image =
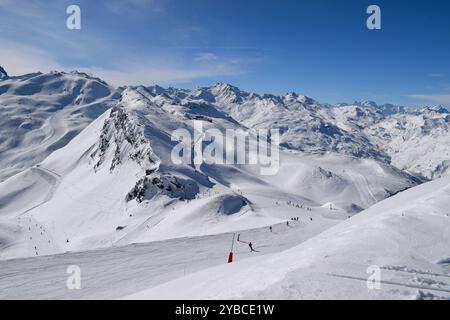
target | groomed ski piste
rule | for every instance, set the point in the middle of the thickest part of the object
(87, 180)
(406, 236)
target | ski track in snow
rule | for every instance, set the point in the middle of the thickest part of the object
(52, 178)
(39, 240)
(362, 185)
(118, 271)
(394, 283)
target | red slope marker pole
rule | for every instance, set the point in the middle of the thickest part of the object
(230, 256)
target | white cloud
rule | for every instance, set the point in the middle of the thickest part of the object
(34, 39)
(120, 6)
(434, 98)
(436, 75)
(18, 59)
(162, 75)
(206, 56)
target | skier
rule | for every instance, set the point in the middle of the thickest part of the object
(270, 228)
(251, 247)
(287, 223)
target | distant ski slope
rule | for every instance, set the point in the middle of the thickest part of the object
(97, 170)
(40, 113)
(406, 236)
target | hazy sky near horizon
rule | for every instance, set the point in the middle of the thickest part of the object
(321, 48)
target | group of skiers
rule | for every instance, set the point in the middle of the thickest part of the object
(271, 230)
(296, 205)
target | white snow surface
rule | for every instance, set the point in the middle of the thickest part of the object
(115, 184)
(40, 113)
(406, 236)
(86, 178)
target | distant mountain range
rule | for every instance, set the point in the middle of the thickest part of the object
(93, 163)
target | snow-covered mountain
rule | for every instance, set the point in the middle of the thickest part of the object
(304, 124)
(405, 239)
(40, 113)
(116, 184)
(416, 142)
(87, 166)
(72, 143)
(386, 109)
(412, 139)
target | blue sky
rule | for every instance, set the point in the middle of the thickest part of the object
(320, 48)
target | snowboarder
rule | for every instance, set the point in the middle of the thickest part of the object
(270, 228)
(287, 223)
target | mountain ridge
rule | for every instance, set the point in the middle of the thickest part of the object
(362, 129)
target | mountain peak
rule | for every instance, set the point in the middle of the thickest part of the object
(3, 74)
(293, 96)
(228, 92)
(436, 109)
(369, 104)
(221, 86)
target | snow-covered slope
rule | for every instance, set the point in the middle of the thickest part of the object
(40, 113)
(70, 143)
(85, 166)
(407, 237)
(416, 142)
(304, 124)
(413, 139)
(115, 183)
